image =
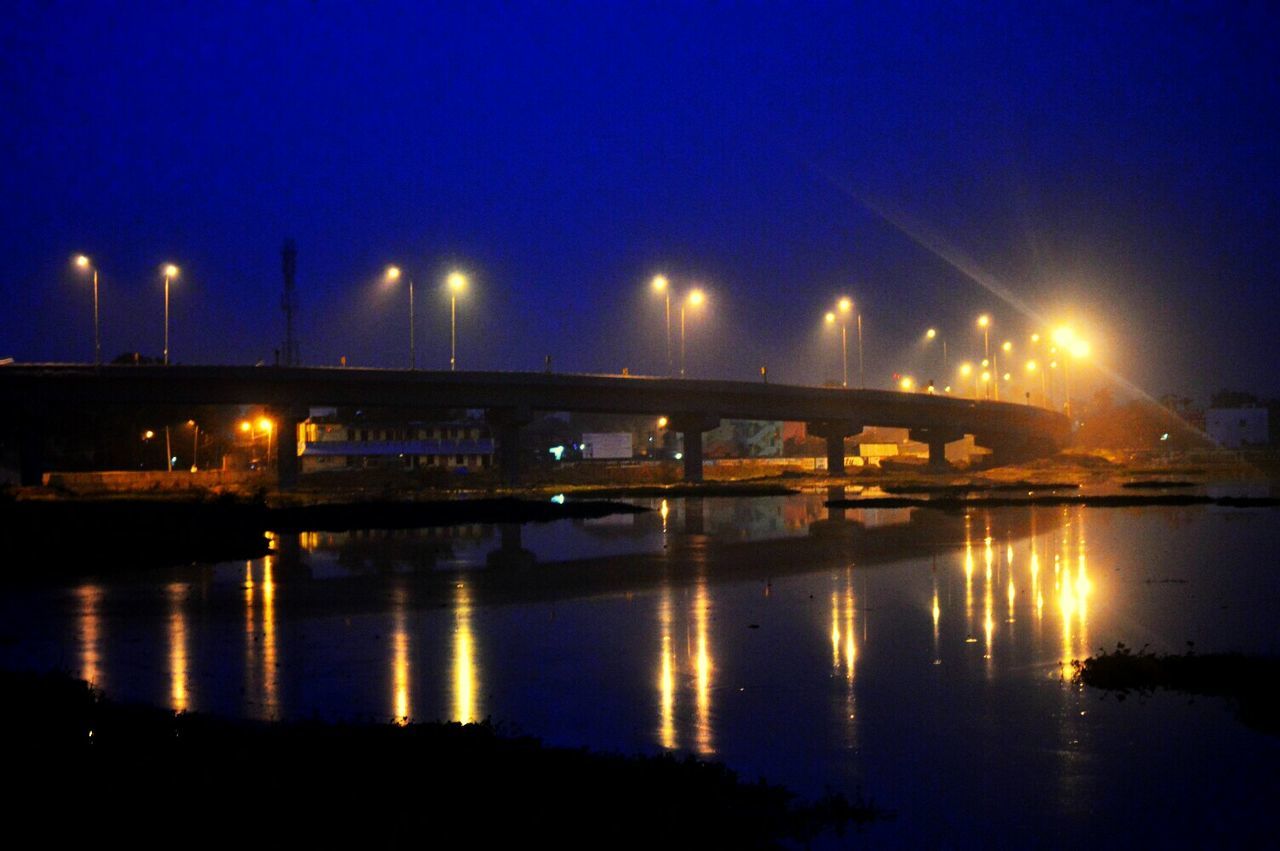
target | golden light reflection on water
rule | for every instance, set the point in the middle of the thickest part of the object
(702, 667)
(465, 676)
(90, 617)
(179, 675)
(400, 668)
(666, 675)
(937, 619)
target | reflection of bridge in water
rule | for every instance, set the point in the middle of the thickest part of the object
(38, 395)
(695, 546)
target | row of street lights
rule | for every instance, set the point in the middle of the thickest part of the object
(455, 283)
(84, 264)
(693, 298)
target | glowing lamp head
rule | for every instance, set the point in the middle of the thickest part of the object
(830, 318)
(1079, 349)
(931, 333)
(393, 273)
(170, 270)
(845, 305)
(1031, 366)
(966, 369)
(984, 320)
(245, 425)
(1008, 347)
(662, 422)
(906, 383)
(659, 283)
(264, 424)
(1035, 338)
(1064, 336)
(696, 298)
(148, 434)
(456, 281)
(986, 376)
(82, 262)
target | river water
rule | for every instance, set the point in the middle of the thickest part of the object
(916, 657)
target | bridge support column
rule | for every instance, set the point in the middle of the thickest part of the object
(937, 440)
(834, 433)
(691, 427)
(506, 423)
(287, 464)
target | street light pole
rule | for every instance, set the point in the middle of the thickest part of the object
(662, 285)
(456, 283)
(86, 264)
(862, 377)
(170, 271)
(413, 351)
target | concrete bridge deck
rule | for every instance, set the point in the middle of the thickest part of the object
(34, 393)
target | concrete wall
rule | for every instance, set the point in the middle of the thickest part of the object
(124, 481)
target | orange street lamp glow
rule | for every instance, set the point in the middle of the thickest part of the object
(845, 304)
(170, 272)
(660, 283)
(662, 422)
(1008, 346)
(931, 333)
(83, 264)
(245, 425)
(906, 383)
(984, 320)
(965, 369)
(830, 318)
(264, 424)
(695, 298)
(393, 273)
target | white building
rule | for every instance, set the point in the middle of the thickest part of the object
(1237, 427)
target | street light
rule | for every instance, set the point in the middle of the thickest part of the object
(266, 425)
(457, 282)
(85, 265)
(661, 285)
(844, 307)
(930, 336)
(393, 274)
(170, 272)
(694, 299)
(195, 444)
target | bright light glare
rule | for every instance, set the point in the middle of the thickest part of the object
(170, 271)
(830, 317)
(245, 425)
(457, 281)
(984, 320)
(393, 273)
(696, 298)
(1079, 349)
(931, 333)
(148, 434)
(662, 422)
(659, 282)
(264, 424)
(1031, 366)
(1008, 347)
(1064, 336)
(906, 383)
(82, 261)
(845, 304)
(965, 369)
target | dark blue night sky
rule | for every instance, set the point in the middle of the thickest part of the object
(1115, 167)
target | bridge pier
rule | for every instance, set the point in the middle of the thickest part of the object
(834, 433)
(287, 465)
(937, 440)
(506, 423)
(691, 427)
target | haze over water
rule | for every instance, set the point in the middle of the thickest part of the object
(919, 657)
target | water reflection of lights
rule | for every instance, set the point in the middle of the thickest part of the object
(702, 662)
(90, 600)
(464, 664)
(937, 618)
(665, 510)
(179, 682)
(666, 676)
(400, 668)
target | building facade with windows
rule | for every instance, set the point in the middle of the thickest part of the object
(332, 442)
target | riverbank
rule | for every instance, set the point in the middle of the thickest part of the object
(470, 778)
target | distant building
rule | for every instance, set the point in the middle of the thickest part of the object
(744, 439)
(1237, 427)
(609, 444)
(331, 442)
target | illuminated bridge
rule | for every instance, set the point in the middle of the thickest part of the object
(36, 394)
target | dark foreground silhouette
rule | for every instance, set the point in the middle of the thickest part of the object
(469, 781)
(1249, 681)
